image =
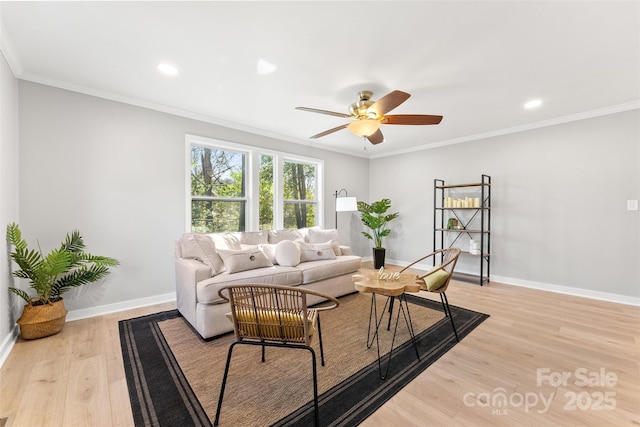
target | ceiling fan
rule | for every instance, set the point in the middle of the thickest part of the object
(368, 115)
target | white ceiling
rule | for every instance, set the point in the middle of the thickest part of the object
(476, 63)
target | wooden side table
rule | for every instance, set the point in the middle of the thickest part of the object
(367, 281)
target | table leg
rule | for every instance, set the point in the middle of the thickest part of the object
(373, 314)
(390, 312)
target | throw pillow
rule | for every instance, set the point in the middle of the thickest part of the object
(202, 248)
(287, 253)
(315, 252)
(270, 321)
(236, 261)
(436, 280)
(270, 251)
(323, 236)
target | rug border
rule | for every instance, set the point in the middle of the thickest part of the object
(144, 413)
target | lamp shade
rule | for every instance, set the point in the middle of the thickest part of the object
(364, 127)
(346, 204)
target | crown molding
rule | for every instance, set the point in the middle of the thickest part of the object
(9, 52)
(633, 105)
(244, 128)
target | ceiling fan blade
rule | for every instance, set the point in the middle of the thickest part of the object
(376, 137)
(330, 113)
(327, 132)
(411, 119)
(389, 102)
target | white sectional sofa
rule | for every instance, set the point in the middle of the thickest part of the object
(310, 258)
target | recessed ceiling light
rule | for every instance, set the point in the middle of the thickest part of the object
(168, 69)
(265, 67)
(533, 104)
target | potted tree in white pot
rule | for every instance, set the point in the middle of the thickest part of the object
(50, 276)
(375, 217)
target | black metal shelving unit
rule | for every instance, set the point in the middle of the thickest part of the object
(473, 217)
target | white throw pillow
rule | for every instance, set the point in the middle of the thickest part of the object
(203, 248)
(324, 236)
(315, 252)
(287, 253)
(244, 259)
(270, 251)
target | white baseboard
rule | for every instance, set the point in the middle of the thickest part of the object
(8, 343)
(560, 289)
(11, 338)
(120, 306)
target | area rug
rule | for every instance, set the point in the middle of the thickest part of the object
(174, 376)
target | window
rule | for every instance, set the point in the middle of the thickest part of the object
(227, 193)
(299, 195)
(218, 196)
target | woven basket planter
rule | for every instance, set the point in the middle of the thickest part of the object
(39, 321)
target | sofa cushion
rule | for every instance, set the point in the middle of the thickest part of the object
(202, 248)
(276, 236)
(207, 290)
(254, 237)
(226, 240)
(305, 232)
(314, 271)
(287, 253)
(251, 258)
(324, 236)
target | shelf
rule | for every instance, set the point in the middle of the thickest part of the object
(447, 230)
(474, 214)
(469, 209)
(475, 184)
(470, 254)
(473, 278)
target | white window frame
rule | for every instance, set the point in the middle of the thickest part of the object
(252, 176)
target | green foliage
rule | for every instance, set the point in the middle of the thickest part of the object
(375, 217)
(63, 268)
(266, 192)
(219, 198)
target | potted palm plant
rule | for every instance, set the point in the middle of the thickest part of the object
(375, 217)
(49, 277)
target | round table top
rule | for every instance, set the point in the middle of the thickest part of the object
(368, 281)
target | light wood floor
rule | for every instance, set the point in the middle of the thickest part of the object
(76, 378)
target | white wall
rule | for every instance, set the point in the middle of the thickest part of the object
(9, 309)
(559, 202)
(116, 172)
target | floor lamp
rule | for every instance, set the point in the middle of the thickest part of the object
(344, 204)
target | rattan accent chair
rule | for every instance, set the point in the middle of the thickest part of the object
(437, 279)
(274, 316)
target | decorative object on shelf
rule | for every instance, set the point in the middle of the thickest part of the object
(469, 217)
(474, 247)
(51, 276)
(375, 217)
(344, 204)
(383, 275)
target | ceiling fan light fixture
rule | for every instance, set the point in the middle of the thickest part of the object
(364, 127)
